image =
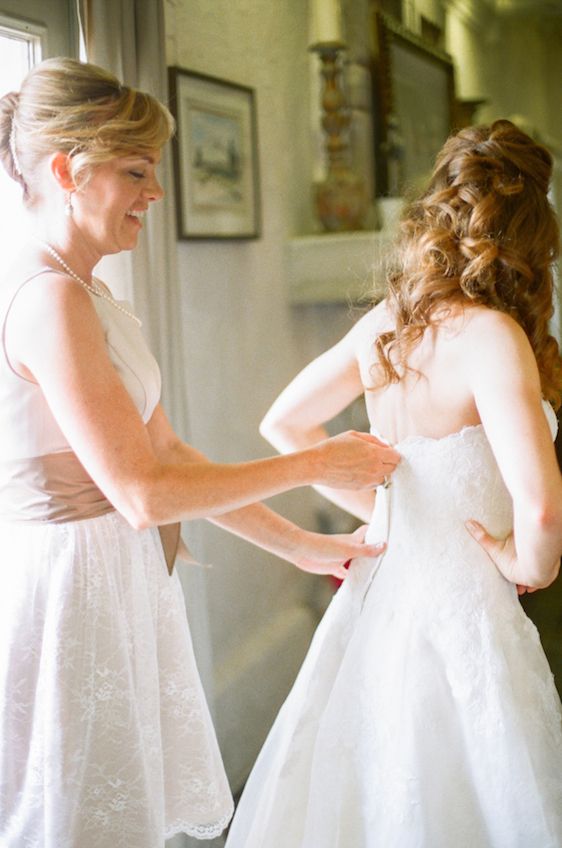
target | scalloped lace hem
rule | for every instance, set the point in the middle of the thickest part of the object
(199, 831)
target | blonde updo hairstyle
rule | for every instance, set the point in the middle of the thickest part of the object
(79, 109)
(485, 233)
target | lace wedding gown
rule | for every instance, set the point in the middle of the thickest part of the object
(105, 736)
(425, 714)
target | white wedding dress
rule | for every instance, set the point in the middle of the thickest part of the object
(425, 714)
(105, 736)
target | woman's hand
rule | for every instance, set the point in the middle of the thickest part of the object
(354, 460)
(522, 589)
(321, 554)
(503, 554)
(501, 551)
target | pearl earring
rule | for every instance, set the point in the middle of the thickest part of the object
(68, 208)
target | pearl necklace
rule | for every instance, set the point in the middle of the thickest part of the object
(93, 289)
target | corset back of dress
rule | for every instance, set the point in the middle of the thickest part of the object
(439, 485)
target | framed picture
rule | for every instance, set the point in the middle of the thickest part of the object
(414, 106)
(215, 157)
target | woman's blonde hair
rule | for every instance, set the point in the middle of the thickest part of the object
(79, 109)
(484, 232)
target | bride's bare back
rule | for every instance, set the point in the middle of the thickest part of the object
(433, 398)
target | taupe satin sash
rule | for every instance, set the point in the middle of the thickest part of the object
(57, 488)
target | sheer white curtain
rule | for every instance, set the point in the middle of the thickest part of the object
(127, 37)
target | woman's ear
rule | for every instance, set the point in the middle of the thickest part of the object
(60, 169)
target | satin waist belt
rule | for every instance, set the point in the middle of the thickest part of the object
(57, 488)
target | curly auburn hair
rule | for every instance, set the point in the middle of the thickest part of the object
(483, 233)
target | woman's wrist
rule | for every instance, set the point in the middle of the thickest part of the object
(303, 465)
(295, 544)
(289, 543)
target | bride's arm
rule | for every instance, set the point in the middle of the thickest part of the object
(504, 379)
(318, 393)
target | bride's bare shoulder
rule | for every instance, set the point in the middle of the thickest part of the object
(363, 336)
(491, 341)
(491, 326)
(377, 320)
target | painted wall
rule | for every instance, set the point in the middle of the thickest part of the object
(243, 344)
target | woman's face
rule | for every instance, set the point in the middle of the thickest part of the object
(110, 207)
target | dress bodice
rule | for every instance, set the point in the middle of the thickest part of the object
(27, 425)
(439, 485)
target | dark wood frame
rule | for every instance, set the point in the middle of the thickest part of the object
(388, 31)
(215, 222)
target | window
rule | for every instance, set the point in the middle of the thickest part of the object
(21, 47)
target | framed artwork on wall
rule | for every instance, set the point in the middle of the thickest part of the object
(215, 157)
(414, 106)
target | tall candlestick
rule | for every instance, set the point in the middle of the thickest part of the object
(326, 22)
(341, 200)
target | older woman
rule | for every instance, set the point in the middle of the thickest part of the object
(105, 737)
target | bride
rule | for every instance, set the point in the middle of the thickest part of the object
(425, 714)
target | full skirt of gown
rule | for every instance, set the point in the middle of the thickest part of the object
(425, 714)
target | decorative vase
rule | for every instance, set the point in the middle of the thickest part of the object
(341, 201)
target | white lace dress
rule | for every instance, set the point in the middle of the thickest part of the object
(425, 714)
(105, 736)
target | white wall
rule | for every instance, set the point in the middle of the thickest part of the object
(512, 60)
(243, 343)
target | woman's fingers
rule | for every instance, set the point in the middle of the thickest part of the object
(522, 589)
(340, 572)
(359, 534)
(355, 461)
(334, 554)
(355, 547)
(501, 551)
(387, 454)
(373, 550)
(483, 537)
(493, 547)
